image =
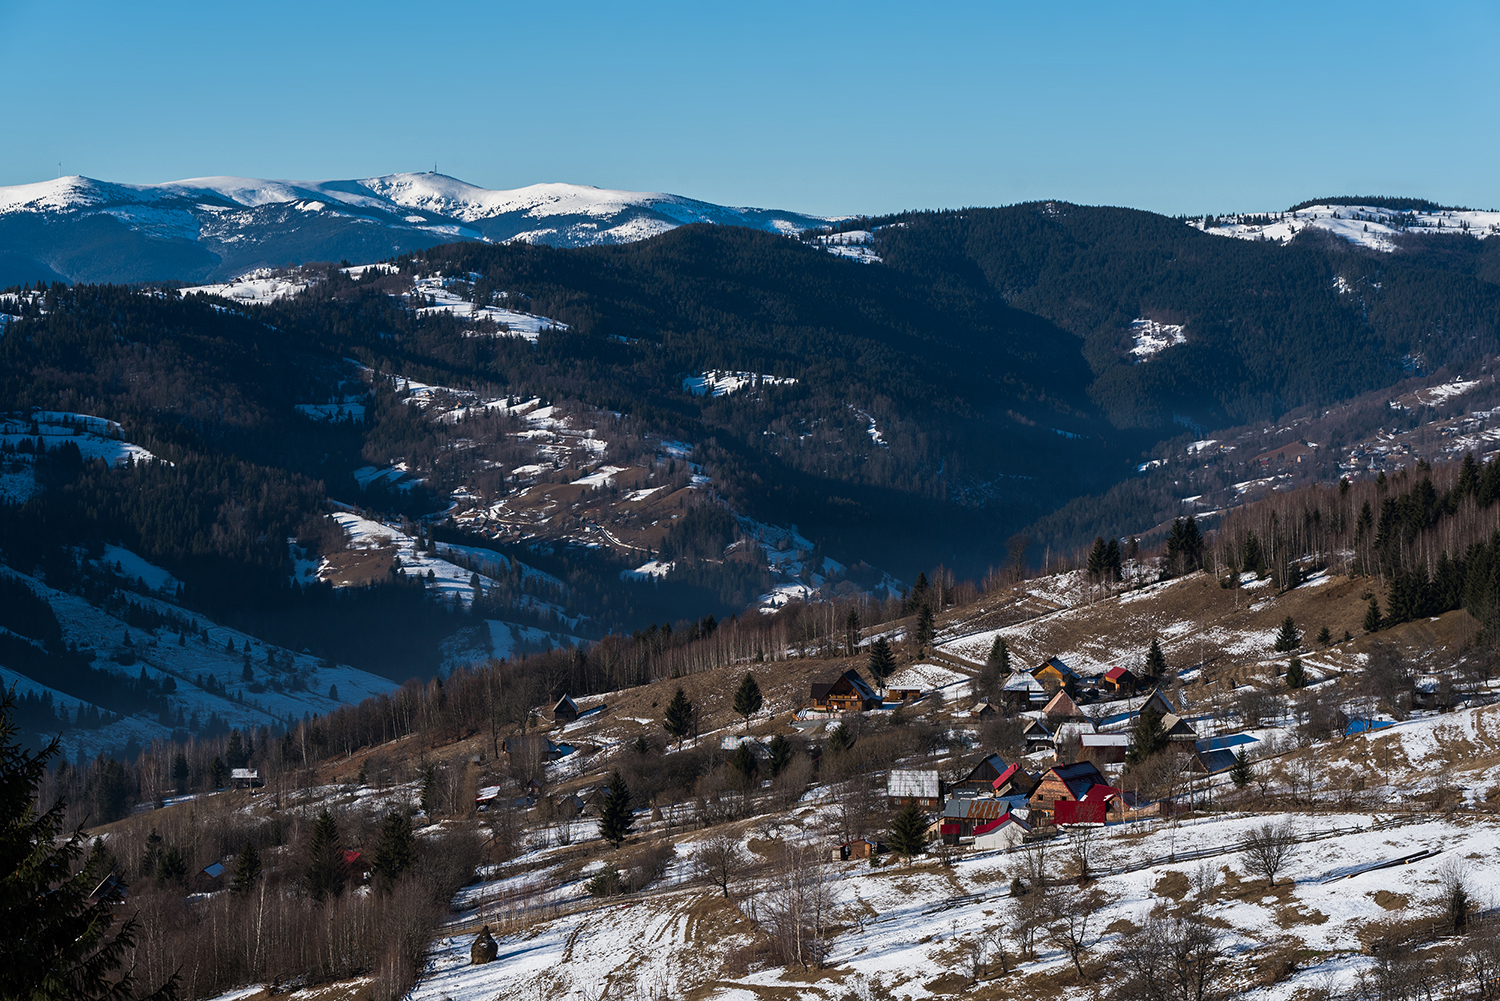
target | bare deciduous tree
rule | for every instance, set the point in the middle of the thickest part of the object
(719, 861)
(1269, 848)
(1168, 959)
(1069, 914)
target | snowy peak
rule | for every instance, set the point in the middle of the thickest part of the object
(221, 227)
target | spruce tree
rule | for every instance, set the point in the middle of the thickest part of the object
(926, 628)
(616, 819)
(1156, 661)
(180, 770)
(1372, 616)
(59, 943)
(1098, 559)
(882, 661)
(781, 754)
(326, 870)
(1114, 566)
(1324, 637)
(396, 850)
(999, 658)
(1241, 773)
(216, 772)
(246, 870)
(1288, 639)
(1296, 676)
(1146, 736)
(678, 721)
(747, 700)
(908, 834)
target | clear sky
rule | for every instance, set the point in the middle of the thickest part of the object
(819, 107)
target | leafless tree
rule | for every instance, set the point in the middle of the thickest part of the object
(1269, 848)
(1082, 843)
(1168, 959)
(719, 861)
(1069, 915)
(796, 904)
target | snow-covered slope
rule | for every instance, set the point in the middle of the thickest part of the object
(1365, 225)
(220, 227)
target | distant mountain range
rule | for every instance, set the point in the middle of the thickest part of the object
(78, 229)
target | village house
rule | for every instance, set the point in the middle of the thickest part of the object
(982, 776)
(1120, 714)
(1061, 708)
(1104, 748)
(1064, 784)
(1007, 832)
(961, 816)
(984, 711)
(914, 785)
(1052, 674)
(849, 693)
(1038, 737)
(1178, 730)
(1014, 781)
(1099, 805)
(1119, 681)
(1021, 692)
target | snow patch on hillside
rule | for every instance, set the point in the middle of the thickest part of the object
(1151, 337)
(254, 288)
(1363, 225)
(717, 383)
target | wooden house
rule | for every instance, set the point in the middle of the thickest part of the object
(532, 745)
(1039, 737)
(1120, 681)
(1014, 781)
(903, 694)
(564, 711)
(1098, 806)
(1120, 714)
(961, 816)
(848, 693)
(1212, 761)
(914, 785)
(1104, 748)
(984, 711)
(1062, 707)
(1021, 692)
(1007, 832)
(1064, 784)
(1179, 730)
(982, 776)
(1053, 674)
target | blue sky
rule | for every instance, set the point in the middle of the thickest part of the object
(819, 107)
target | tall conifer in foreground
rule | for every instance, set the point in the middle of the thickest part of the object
(616, 819)
(747, 699)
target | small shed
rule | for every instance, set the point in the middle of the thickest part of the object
(914, 785)
(245, 778)
(855, 849)
(1038, 737)
(984, 710)
(564, 711)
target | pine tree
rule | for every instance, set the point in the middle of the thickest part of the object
(396, 851)
(781, 754)
(1114, 566)
(1241, 773)
(908, 834)
(1288, 639)
(1098, 559)
(1296, 676)
(1156, 661)
(925, 626)
(882, 661)
(678, 721)
(747, 700)
(58, 941)
(1372, 616)
(326, 871)
(234, 755)
(616, 819)
(246, 870)
(1324, 637)
(216, 772)
(180, 769)
(999, 659)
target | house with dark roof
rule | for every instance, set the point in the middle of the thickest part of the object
(847, 693)
(565, 710)
(1022, 691)
(1038, 736)
(1120, 681)
(982, 776)
(1064, 784)
(1120, 714)
(1054, 674)
(914, 785)
(961, 816)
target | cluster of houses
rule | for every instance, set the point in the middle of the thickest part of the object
(1075, 730)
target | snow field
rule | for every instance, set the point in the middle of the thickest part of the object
(1151, 338)
(717, 383)
(1363, 225)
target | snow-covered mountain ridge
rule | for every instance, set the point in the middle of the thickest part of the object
(1371, 226)
(84, 229)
